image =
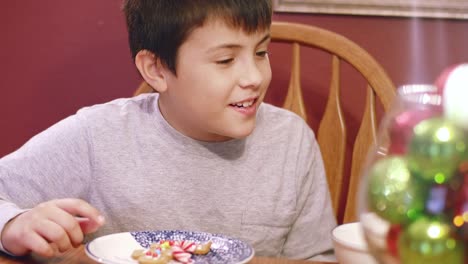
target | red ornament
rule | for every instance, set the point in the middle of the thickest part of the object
(460, 218)
(392, 240)
(442, 79)
(457, 203)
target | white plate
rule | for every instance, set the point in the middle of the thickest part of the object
(118, 248)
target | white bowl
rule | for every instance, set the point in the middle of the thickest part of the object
(350, 245)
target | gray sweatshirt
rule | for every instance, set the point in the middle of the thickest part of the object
(268, 189)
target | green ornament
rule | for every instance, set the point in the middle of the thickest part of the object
(393, 193)
(436, 149)
(429, 241)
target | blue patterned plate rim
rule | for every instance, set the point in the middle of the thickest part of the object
(224, 249)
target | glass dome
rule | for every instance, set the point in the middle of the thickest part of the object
(413, 198)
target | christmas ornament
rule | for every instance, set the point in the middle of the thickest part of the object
(453, 85)
(429, 241)
(392, 239)
(436, 149)
(437, 199)
(460, 208)
(393, 193)
(442, 78)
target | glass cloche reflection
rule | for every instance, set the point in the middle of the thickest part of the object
(414, 193)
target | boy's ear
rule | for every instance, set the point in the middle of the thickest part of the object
(152, 70)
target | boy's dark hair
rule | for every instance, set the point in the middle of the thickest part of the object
(161, 26)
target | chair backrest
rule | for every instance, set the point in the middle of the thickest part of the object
(332, 130)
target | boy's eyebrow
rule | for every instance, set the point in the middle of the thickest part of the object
(233, 46)
(265, 38)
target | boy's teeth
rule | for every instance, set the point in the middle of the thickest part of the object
(245, 104)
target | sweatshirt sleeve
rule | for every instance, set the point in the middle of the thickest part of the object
(54, 164)
(7, 211)
(310, 235)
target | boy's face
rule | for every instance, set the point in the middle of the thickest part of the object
(222, 77)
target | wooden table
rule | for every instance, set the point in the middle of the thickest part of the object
(79, 256)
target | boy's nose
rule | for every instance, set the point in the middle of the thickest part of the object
(251, 76)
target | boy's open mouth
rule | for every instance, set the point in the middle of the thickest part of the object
(244, 104)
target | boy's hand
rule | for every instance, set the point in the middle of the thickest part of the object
(50, 225)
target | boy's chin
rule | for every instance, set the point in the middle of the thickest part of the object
(241, 132)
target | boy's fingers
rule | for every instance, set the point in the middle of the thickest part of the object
(55, 248)
(54, 233)
(68, 223)
(53, 222)
(87, 226)
(38, 245)
(81, 208)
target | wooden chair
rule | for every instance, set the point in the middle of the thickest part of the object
(332, 130)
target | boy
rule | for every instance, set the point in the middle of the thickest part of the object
(203, 153)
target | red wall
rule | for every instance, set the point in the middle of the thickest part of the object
(57, 56)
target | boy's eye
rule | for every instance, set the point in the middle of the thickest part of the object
(226, 61)
(262, 53)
